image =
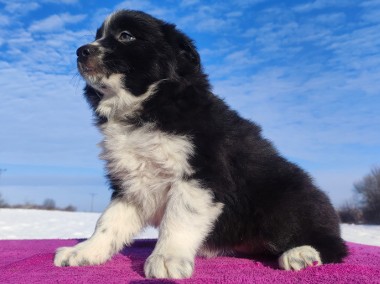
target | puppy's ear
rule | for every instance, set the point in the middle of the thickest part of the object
(183, 45)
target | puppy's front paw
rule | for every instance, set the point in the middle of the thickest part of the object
(79, 255)
(299, 258)
(162, 266)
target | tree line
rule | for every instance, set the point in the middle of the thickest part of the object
(365, 208)
(47, 204)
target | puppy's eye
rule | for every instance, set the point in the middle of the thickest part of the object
(126, 36)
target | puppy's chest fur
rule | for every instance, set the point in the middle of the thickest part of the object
(146, 163)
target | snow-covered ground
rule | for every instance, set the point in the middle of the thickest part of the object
(40, 224)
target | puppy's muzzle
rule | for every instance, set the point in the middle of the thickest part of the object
(89, 62)
(86, 51)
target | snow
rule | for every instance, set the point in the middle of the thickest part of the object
(40, 224)
(363, 234)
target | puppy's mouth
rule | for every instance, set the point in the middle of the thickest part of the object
(92, 71)
(89, 69)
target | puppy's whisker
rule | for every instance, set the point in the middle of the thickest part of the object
(99, 96)
(75, 80)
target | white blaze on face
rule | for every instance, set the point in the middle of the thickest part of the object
(105, 84)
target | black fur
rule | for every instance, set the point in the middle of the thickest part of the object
(268, 201)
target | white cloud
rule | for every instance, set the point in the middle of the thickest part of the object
(19, 37)
(235, 62)
(370, 3)
(61, 1)
(321, 4)
(48, 52)
(45, 120)
(22, 7)
(330, 19)
(189, 2)
(56, 22)
(247, 3)
(208, 19)
(314, 103)
(308, 120)
(146, 6)
(372, 16)
(4, 20)
(190, 14)
(357, 51)
(135, 5)
(212, 24)
(234, 14)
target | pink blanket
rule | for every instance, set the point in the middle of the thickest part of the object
(31, 261)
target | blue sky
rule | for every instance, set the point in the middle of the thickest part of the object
(306, 70)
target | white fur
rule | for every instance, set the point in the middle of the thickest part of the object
(117, 102)
(150, 167)
(189, 216)
(107, 22)
(299, 258)
(119, 223)
(147, 162)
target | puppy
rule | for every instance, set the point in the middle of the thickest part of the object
(180, 159)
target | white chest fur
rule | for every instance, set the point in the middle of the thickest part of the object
(146, 162)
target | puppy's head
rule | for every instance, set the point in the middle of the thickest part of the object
(131, 52)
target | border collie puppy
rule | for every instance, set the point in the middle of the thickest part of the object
(180, 159)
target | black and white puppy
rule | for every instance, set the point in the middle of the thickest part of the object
(180, 159)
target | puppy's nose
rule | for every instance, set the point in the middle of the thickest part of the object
(86, 51)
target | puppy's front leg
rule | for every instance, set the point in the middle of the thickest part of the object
(189, 216)
(116, 227)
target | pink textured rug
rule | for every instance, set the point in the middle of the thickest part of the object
(31, 261)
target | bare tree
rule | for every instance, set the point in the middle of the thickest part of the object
(369, 191)
(70, 208)
(3, 203)
(49, 204)
(350, 213)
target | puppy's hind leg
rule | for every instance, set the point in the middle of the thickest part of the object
(299, 257)
(322, 249)
(116, 227)
(189, 216)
